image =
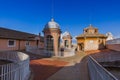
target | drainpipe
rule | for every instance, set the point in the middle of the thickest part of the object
(19, 45)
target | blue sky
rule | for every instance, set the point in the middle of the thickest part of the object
(72, 15)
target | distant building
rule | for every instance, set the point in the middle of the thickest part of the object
(91, 39)
(109, 36)
(17, 40)
(66, 40)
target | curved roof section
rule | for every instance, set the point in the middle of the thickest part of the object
(66, 33)
(52, 24)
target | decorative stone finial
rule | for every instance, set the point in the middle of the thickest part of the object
(90, 25)
(52, 20)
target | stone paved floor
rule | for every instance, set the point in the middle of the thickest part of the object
(76, 71)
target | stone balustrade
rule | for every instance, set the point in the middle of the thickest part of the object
(18, 69)
(113, 44)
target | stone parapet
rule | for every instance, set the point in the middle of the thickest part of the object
(115, 47)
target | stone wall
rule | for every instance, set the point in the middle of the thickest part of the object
(115, 47)
(91, 44)
(113, 44)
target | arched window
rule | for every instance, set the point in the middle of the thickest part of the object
(49, 43)
(58, 42)
(66, 43)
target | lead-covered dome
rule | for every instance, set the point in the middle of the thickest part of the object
(66, 34)
(52, 24)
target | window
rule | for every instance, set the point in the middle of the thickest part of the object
(95, 31)
(99, 41)
(66, 43)
(27, 43)
(85, 31)
(11, 43)
(49, 43)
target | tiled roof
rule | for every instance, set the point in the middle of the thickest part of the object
(13, 34)
(91, 35)
(91, 27)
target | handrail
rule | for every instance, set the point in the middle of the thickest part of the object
(18, 69)
(35, 50)
(97, 72)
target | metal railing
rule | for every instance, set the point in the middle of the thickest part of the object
(18, 69)
(97, 72)
(35, 50)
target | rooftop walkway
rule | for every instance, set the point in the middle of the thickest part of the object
(68, 68)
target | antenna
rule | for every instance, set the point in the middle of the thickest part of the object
(52, 9)
(90, 17)
(90, 20)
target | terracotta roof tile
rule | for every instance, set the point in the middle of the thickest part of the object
(91, 35)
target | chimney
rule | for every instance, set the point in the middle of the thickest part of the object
(39, 34)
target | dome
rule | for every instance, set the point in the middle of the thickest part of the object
(66, 33)
(52, 24)
(109, 34)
